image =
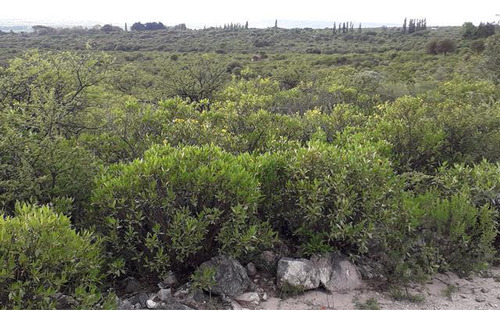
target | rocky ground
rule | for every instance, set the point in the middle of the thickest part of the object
(445, 291)
(327, 283)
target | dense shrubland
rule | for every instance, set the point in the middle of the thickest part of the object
(155, 162)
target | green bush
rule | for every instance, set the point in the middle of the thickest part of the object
(460, 233)
(41, 256)
(178, 207)
(325, 197)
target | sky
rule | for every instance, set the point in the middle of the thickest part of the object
(199, 13)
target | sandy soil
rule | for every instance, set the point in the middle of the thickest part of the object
(445, 291)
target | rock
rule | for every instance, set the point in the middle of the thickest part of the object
(485, 290)
(173, 305)
(337, 273)
(165, 295)
(480, 299)
(125, 305)
(231, 278)
(182, 291)
(169, 282)
(248, 298)
(151, 304)
(298, 273)
(140, 299)
(131, 285)
(463, 296)
(498, 297)
(251, 269)
(264, 297)
(235, 305)
(267, 261)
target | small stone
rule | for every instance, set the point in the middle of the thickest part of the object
(151, 304)
(485, 290)
(137, 306)
(498, 297)
(480, 299)
(264, 297)
(165, 295)
(251, 269)
(125, 305)
(235, 305)
(248, 298)
(169, 282)
(463, 296)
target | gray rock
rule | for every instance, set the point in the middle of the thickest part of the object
(298, 273)
(485, 290)
(131, 285)
(151, 304)
(165, 295)
(251, 269)
(480, 299)
(231, 278)
(125, 305)
(174, 305)
(248, 298)
(169, 282)
(337, 273)
(140, 299)
(234, 305)
(267, 261)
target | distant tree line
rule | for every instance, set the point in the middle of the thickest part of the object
(233, 26)
(344, 28)
(414, 25)
(481, 31)
(147, 26)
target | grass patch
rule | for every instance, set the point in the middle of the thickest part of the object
(287, 290)
(369, 304)
(400, 295)
(449, 290)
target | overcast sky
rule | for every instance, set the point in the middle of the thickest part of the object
(197, 13)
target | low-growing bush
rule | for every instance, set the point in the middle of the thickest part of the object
(324, 197)
(43, 259)
(178, 207)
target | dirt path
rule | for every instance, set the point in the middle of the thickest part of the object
(445, 291)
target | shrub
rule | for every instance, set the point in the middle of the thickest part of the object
(460, 233)
(324, 197)
(42, 257)
(178, 207)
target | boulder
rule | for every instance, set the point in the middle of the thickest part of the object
(337, 273)
(298, 273)
(231, 277)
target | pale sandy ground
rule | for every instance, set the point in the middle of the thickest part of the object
(445, 291)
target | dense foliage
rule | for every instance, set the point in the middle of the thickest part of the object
(177, 145)
(42, 258)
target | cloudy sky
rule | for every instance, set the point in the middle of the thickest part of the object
(197, 13)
